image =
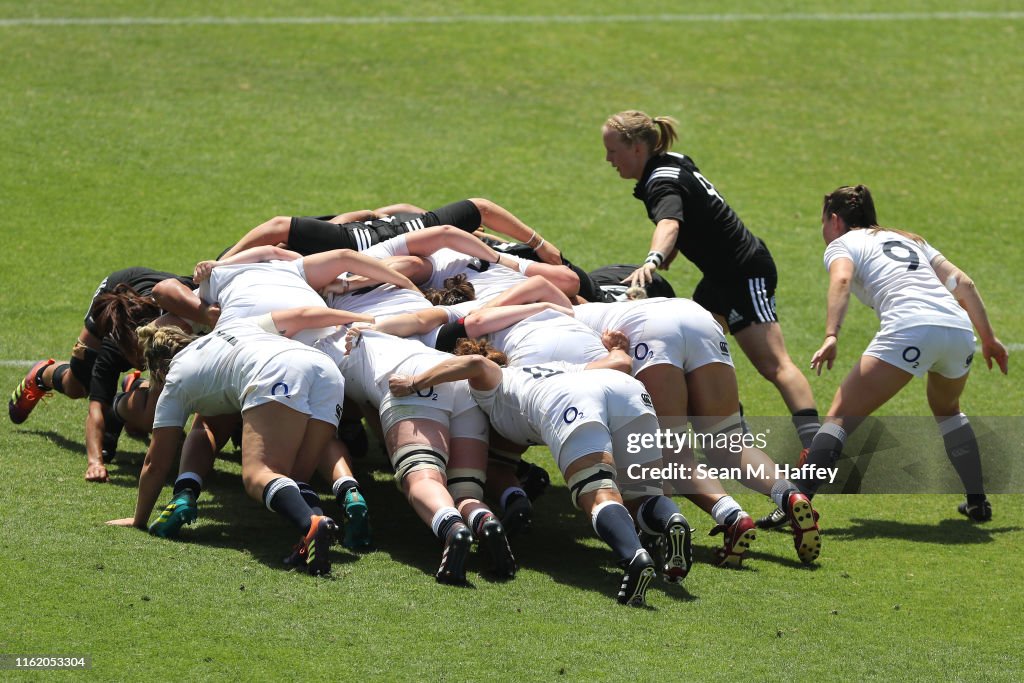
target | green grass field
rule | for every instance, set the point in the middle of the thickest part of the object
(158, 143)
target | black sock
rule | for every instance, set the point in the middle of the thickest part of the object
(731, 519)
(655, 512)
(615, 527)
(311, 497)
(826, 447)
(185, 481)
(342, 486)
(281, 495)
(807, 425)
(962, 451)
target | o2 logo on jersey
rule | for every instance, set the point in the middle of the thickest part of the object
(571, 414)
(279, 389)
(427, 393)
(642, 351)
(898, 251)
(912, 354)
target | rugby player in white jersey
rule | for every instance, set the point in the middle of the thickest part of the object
(680, 354)
(586, 422)
(436, 439)
(253, 283)
(926, 306)
(289, 396)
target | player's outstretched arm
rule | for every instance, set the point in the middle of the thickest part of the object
(966, 294)
(482, 374)
(840, 274)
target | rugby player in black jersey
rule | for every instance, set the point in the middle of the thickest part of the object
(105, 348)
(739, 276)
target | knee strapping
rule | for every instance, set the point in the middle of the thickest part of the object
(733, 424)
(415, 457)
(466, 482)
(593, 478)
(635, 490)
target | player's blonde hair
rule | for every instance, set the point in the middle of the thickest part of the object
(159, 345)
(658, 132)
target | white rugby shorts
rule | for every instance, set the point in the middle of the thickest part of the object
(926, 348)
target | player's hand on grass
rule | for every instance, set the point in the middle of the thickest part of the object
(826, 355)
(125, 521)
(96, 472)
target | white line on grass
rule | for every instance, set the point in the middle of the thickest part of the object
(513, 19)
(10, 363)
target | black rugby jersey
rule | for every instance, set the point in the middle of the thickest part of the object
(110, 363)
(711, 235)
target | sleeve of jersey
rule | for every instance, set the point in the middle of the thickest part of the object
(837, 249)
(105, 373)
(664, 200)
(930, 252)
(171, 410)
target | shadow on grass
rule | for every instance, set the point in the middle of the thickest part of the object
(945, 532)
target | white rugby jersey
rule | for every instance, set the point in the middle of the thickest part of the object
(893, 275)
(376, 358)
(212, 375)
(384, 300)
(489, 280)
(252, 289)
(545, 336)
(628, 316)
(526, 397)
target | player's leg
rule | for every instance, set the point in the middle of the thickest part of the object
(664, 532)
(714, 405)
(764, 345)
(419, 449)
(467, 476)
(207, 436)
(945, 386)
(591, 481)
(335, 466)
(870, 383)
(513, 482)
(272, 434)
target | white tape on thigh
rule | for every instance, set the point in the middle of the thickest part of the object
(593, 478)
(466, 482)
(414, 457)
